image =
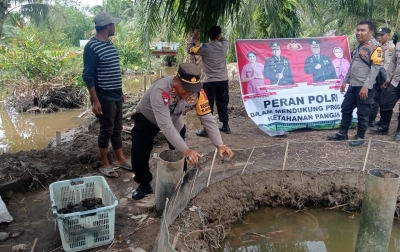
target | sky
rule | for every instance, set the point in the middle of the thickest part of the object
(91, 3)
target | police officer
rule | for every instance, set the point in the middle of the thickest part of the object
(320, 66)
(388, 49)
(277, 68)
(366, 61)
(390, 96)
(161, 108)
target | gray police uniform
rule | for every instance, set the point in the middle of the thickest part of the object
(274, 66)
(216, 73)
(326, 72)
(391, 94)
(388, 50)
(162, 109)
(366, 61)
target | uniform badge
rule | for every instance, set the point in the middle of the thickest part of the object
(191, 99)
(165, 96)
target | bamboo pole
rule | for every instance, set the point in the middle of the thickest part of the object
(286, 153)
(212, 165)
(248, 160)
(366, 155)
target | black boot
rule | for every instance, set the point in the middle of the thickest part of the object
(142, 191)
(397, 136)
(202, 133)
(225, 128)
(371, 124)
(383, 129)
(340, 136)
(357, 141)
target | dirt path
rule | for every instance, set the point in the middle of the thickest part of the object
(25, 177)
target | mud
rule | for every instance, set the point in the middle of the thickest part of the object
(25, 178)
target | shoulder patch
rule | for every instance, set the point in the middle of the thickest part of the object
(195, 49)
(166, 97)
(376, 57)
(203, 106)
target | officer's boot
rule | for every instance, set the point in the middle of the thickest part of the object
(380, 129)
(383, 126)
(339, 136)
(397, 136)
(358, 140)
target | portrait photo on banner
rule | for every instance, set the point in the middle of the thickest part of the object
(268, 65)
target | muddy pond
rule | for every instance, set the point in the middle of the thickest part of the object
(283, 229)
(23, 132)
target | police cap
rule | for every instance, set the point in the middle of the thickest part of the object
(384, 30)
(314, 43)
(274, 45)
(189, 75)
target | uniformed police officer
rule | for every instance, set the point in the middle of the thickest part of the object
(366, 61)
(390, 96)
(161, 108)
(320, 66)
(277, 68)
(388, 49)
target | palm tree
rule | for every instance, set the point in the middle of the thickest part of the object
(35, 10)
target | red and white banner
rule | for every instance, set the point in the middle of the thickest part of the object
(289, 84)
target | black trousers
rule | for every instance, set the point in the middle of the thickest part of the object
(351, 101)
(390, 96)
(143, 134)
(110, 124)
(375, 106)
(218, 91)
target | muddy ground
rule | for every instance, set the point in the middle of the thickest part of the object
(25, 178)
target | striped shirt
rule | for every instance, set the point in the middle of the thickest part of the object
(101, 69)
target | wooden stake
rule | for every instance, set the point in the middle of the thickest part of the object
(286, 153)
(366, 155)
(248, 159)
(58, 138)
(212, 165)
(144, 84)
(34, 244)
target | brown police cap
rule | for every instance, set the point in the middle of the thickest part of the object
(189, 74)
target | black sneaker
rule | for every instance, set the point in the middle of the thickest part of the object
(384, 130)
(141, 192)
(337, 137)
(357, 141)
(226, 129)
(202, 133)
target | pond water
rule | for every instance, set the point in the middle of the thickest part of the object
(284, 230)
(23, 132)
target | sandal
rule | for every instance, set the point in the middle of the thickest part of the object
(109, 172)
(127, 166)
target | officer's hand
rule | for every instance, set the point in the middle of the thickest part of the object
(123, 98)
(318, 66)
(385, 84)
(96, 108)
(363, 93)
(192, 157)
(223, 149)
(343, 88)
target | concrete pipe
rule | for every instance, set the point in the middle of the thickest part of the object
(377, 211)
(169, 172)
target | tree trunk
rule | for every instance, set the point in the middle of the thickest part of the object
(4, 5)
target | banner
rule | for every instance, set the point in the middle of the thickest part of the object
(290, 84)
